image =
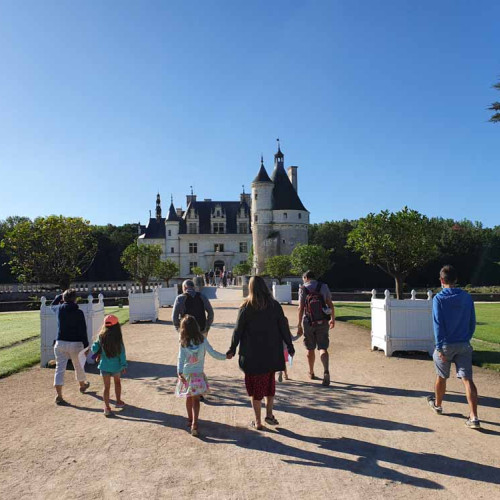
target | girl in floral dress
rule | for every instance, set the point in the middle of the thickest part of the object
(192, 381)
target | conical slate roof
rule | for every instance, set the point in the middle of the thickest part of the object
(262, 175)
(172, 214)
(284, 195)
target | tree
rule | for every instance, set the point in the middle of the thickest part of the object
(242, 269)
(495, 107)
(5, 226)
(166, 270)
(395, 242)
(279, 266)
(197, 270)
(52, 249)
(141, 262)
(310, 257)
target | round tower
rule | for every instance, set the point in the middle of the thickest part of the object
(262, 217)
(172, 242)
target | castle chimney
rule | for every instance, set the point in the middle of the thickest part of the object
(292, 175)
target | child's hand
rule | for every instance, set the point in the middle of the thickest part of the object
(182, 378)
(124, 371)
(229, 355)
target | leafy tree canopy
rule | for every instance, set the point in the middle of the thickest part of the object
(242, 269)
(395, 242)
(52, 249)
(311, 257)
(141, 262)
(495, 107)
(197, 270)
(279, 266)
(166, 270)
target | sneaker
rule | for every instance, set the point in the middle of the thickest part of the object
(120, 405)
(432, 403)
(107, 412)
(473, 424)
(60, 401)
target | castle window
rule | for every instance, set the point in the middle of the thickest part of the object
(193, 248)
(300, 215)
(193, 228)
(219, 247)
(171, 249)
(243, 261)
(169, 232)
(243, 228)
(256, 218)
(218, 227)
(218, 213)
(243, 247)
(256, 195)
(283, 242)
(285, 216)
(191, 265)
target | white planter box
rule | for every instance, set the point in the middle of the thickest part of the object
(167, 295)
(282, 293)
(402, 325)
(94, 317)
(143, 306)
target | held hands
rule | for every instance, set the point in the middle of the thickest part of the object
(229, 355)
(300, 331)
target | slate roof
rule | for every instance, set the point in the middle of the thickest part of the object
(262, 175)
(172, 214)
(155, 228)
(204, 210)
(284, 196)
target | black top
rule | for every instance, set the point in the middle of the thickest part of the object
(262, 175)
(284, 195)
(71, 326)
(260, 335)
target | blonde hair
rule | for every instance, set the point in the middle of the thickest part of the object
(259, 296)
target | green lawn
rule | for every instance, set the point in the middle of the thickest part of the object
(17, 327)
(486, 340)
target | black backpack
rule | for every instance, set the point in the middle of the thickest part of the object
(314, 305)
(195, 307)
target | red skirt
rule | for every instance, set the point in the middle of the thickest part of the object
(259, 386)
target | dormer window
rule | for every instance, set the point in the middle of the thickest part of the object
(218, 213)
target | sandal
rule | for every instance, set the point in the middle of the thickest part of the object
(326, 379)
(84, 387)
(312, 376)
(194, 432)
(272, 420)
(254, 425)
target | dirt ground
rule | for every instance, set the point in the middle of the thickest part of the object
(369, 435)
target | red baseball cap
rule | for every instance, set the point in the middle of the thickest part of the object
(111, 320)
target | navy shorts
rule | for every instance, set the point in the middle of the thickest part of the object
(460, 354)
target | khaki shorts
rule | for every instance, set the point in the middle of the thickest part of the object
(316, 337)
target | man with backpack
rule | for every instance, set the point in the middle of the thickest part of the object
(193, 303)
(316, 318)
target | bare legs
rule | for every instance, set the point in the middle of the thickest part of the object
(440, 390)
(118, 389)
(471, 393)
(107, 385)
(323, 355)
(257, 409)
(193, 410)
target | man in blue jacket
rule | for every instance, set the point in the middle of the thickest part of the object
(454, 324)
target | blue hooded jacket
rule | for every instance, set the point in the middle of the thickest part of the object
(453, 316)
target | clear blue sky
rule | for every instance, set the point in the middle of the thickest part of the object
(381, 104)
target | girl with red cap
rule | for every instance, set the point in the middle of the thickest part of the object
(112, 359)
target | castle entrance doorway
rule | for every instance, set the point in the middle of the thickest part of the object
(219, 264)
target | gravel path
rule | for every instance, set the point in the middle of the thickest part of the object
(369, 435)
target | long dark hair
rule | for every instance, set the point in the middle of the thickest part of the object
(259, 296)
(190, 331)
(111, 340)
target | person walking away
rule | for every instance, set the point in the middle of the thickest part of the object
(193, 303)
(110, 352)
(454, 320)
(192, 381)
(261, 329)
(316, 318)
(71, 340)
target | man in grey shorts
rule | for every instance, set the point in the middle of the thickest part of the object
(454, 324)
(317, 335)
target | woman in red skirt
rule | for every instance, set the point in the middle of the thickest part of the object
(261, 329)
